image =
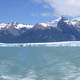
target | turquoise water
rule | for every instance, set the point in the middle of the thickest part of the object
(39, 63)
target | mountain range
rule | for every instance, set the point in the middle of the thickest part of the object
(61, 29)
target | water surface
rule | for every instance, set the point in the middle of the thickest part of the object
(39, 63)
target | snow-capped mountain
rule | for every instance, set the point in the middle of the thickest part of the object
(18, 26)
(14, 28)
(15, 25)
(61, 29)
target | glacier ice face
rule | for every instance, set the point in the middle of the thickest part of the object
(49, 44)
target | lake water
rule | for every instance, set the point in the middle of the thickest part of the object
(40, 63)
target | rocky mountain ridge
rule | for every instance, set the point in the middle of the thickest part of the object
(61, 29)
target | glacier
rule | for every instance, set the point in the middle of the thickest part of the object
(47, 44)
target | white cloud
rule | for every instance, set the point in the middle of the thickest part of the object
(64, 7)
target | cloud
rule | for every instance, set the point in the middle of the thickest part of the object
(64, 7)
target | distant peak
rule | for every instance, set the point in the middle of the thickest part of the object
(76, 19)
(14, 23)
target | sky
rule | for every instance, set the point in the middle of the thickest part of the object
(35, 11)
(24, 11)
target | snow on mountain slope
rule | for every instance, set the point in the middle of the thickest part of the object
(2, 25)
(61, 29)
(52, 23)
(16, 28)
(15, 25)
(76, 23)
(28, 26)
(44, 24)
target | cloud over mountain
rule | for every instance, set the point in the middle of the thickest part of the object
(64, 7)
